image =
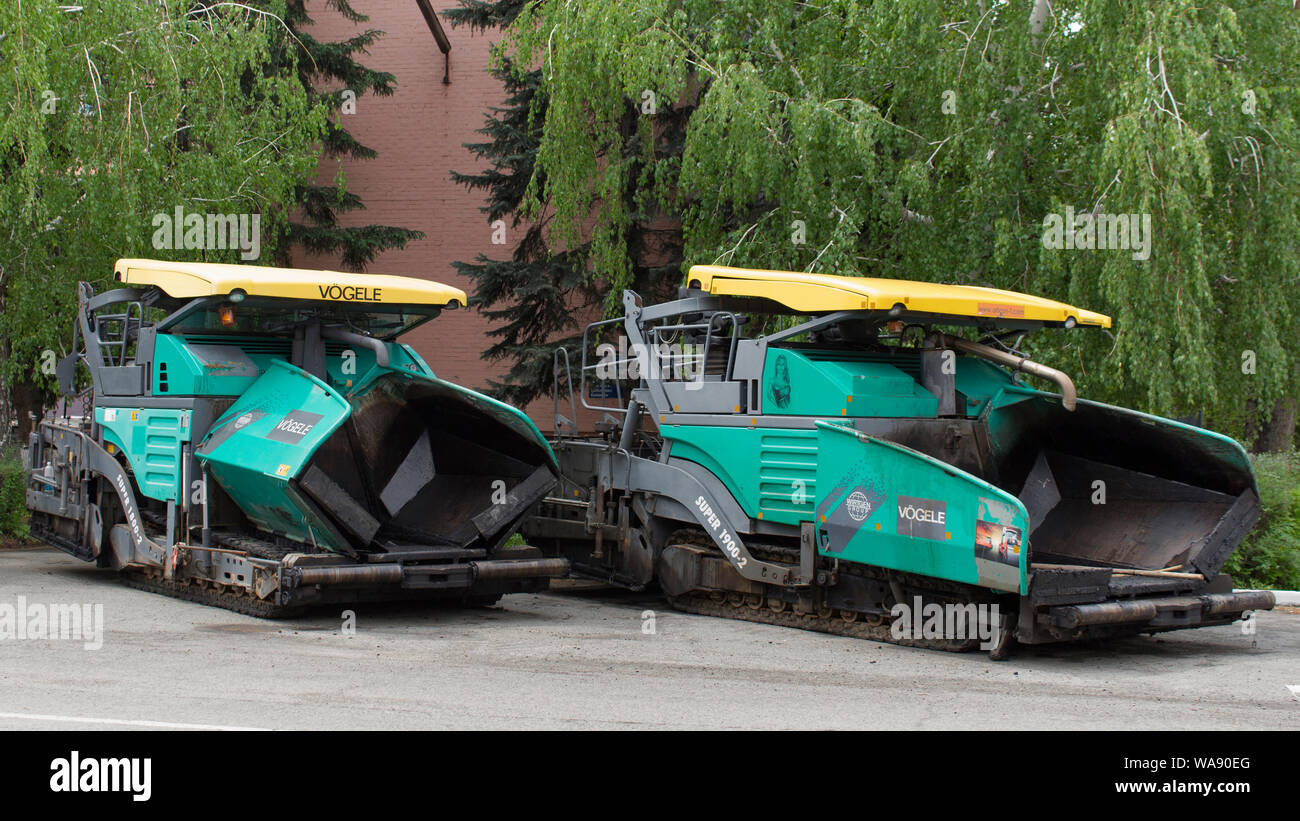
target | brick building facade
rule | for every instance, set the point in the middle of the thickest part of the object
(419, 133)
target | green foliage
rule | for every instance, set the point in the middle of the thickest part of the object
(931, 140)
(1270, 555)
(13, 499)
(539, 297)
(118, 112)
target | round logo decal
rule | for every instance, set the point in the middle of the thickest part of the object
(858, 506)
(243, 420)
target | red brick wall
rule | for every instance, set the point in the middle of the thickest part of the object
(420, 134)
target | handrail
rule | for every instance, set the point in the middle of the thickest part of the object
(555, 391)
(582, 388)
(656, 334)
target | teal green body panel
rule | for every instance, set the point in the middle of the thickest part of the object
(982, 384)
(227, 366)
(789, 476)
(830, 382)
(878, 503)
(890, 506)
(152, 440)
(265, 439)
(771, 472)
(208, 368)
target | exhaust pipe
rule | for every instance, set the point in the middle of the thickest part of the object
(376, 345)
(1016, 363)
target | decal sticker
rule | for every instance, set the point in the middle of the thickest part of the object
(294, 426)
(842, 511)
(128, 505)
(781, 382)
(922, 518)
(282, 470)
(1000, 310)
(721, 534)
(858, 506)
(110, 414)
(997, 543)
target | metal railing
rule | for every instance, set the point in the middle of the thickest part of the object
(659, 361)
(680, 330)
(591, 368)
(561, 424)
(113, 332)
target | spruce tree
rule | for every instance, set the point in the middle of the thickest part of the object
(541, 296)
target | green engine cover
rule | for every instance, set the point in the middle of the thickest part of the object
(831, 382)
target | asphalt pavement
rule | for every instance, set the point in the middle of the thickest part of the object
(595, 658)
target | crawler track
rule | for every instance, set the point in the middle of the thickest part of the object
(766, 609)
(215, 596)
(829, 620)
(202, 591)
(240, 600)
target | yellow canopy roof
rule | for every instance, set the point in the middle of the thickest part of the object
(189, 280)
(823, 293)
